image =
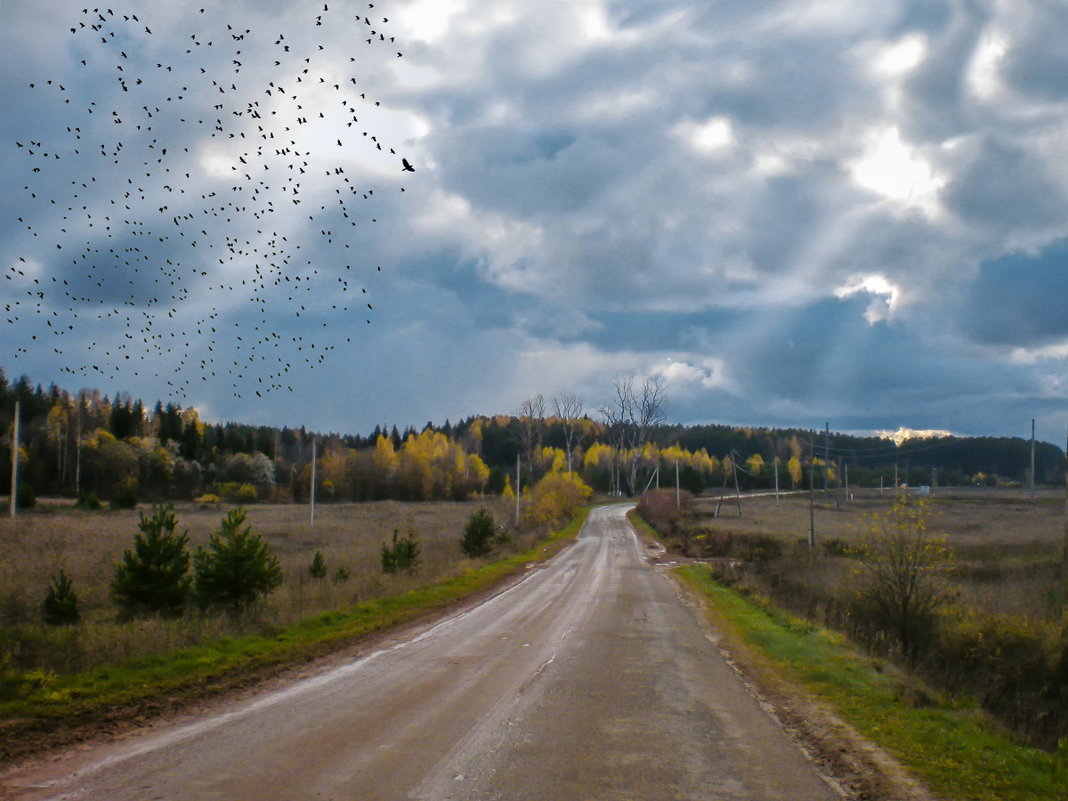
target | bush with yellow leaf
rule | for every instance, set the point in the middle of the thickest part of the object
(557, 497)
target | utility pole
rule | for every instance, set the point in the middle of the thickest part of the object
(1032, 460)
(517, 489)
(812, 495)
(737, 491)
(826, 455)
(15, 461)
(846, 474)
(776, 479)
(678, 499)
(313, 484)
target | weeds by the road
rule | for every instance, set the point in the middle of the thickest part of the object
(955, 749)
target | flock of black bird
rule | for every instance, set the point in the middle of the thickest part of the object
(201, 211)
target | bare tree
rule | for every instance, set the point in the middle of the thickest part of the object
(532, 419)
(568, 407)
(616, 415)
(629, 418)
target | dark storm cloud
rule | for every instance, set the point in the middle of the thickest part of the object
(791, 210)
(1018, 300)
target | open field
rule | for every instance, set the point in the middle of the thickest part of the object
(1006, 549)
(88, 545)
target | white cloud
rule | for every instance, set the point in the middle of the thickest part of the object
(429, 20)
(890, 167)
(897, 59)
(713, 135)
(983, 73)
(1028, 356)
(685, 377)
(903, 433)
(886, 299)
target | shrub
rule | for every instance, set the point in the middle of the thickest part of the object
(60, 607)
(557, 497)
(89, 500)
(402, 555)
(125, 496)
(317, 568)
(835, 547)
(341, 575)
(900, 571)
(664, 513)
(207, 498)
(238, 493)
(25, 496)
(237, 567)
(247, 493)
(758, 548)
(478, 534)
(151, 579)
(1012, 665)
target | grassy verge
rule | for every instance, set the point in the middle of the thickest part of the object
(643, 528)
(46, 699)
(945, 742)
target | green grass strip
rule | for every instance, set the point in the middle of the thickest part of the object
(55, 697)
(948, 745)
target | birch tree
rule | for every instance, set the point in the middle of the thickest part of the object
(568, 406)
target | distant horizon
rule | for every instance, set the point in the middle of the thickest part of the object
(898, 435)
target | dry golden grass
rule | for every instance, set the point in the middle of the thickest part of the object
(88, 545)
(1006, 548)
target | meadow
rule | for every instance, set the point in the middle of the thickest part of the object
(88, 545)
(1006, 550)
(999, 636)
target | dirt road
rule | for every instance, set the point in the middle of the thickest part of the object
(587, 680)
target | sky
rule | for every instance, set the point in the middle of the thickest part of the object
(800, 212)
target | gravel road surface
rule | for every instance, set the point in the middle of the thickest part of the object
(589, 679)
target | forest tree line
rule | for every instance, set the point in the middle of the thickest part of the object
(120, 449)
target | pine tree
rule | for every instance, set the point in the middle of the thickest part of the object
(237, 567)
(151, 579)
(317, 568)
(60, 607)
(478, 534)
(403, 555)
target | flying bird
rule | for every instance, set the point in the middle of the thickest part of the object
(174, 242)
